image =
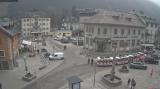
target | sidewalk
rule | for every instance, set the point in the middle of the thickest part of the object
(142, 77)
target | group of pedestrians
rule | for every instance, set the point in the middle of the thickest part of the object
(131, 83)
(90, 61)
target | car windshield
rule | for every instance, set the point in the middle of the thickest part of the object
(79, 44)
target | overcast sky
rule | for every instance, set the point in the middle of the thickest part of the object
(156, 1)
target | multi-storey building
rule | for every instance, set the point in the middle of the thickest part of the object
(9, 47)
(109, 29)
(151, 28)
(35, 26)
(157, 37)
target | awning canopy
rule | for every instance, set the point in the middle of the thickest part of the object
(26, 42)
(147, 45)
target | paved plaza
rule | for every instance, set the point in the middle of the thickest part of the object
(142, 77)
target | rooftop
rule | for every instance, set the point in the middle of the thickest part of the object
(114, 18)
(10, 31)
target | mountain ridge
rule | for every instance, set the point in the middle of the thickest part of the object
(148, 7)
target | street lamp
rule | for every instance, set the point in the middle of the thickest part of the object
(113, 63)
(25, 63)
(94, 74)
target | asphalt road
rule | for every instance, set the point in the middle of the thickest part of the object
(74, 64)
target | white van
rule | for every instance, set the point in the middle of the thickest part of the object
(56, 56)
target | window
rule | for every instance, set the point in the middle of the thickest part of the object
(92, 30)
(129, 19)
(134, 32)
(27, 19)
(155, 25)
(2, 54)
(122, 31)
(47, 19)
(28, 24)
(115, 17)
(115, 31)
(147, 24)
(133, 42)
(139, 32)
(138, 42)
(24, 20)
(151, 24)
(105, 31)
(98, 31)
(86, 29)
(129, 32)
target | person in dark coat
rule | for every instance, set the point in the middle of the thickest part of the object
(133, 84)
(128, 82)
(92, 61)
(88, 60)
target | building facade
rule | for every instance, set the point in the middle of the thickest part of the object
(110, 29)
(9, 48)
(151, 28)
(35, 26)
(157, 38)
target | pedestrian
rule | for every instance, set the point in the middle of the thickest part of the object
(0, 85)
(128, 82)
(133, 83)
(92, 61)
(151, 72)
(88, 60)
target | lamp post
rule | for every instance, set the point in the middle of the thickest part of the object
(25, 63)
(113, 63)
(94, 74)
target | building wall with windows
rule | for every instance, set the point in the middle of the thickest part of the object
(28, 23)
(104, 30)
(151, 28)
(9, 49)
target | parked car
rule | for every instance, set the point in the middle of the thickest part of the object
(56, 56)
(137, 65)
(46, 55)
(151, 60)
(43, 50)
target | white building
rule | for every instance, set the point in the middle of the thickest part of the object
(124, 30)
(35, 25)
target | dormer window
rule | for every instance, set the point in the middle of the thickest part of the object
(115, 17)
(129, 19)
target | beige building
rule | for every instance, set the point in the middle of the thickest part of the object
(122, 29)
(35, 26)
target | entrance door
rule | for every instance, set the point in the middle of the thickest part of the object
(101, 46)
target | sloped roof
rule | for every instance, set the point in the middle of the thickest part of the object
(107, 17)
(11, 32)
